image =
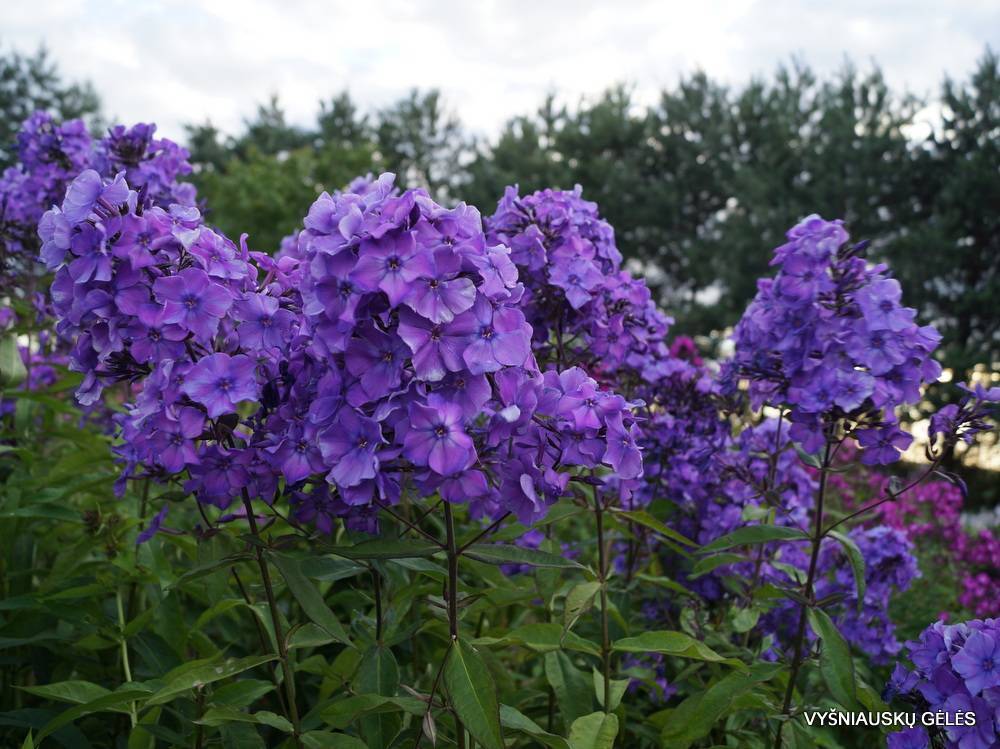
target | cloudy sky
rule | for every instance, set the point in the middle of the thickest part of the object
(182, 61)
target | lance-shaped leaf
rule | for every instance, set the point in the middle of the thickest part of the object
(510, 554)
(308, 596)
(857, 562)
(835, 662)
(473, 694)
(594, 731)
(672, 643)
(755, 534)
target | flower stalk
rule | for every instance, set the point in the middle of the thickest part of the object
(279, 637)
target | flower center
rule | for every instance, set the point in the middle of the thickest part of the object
(225, 384)
(440, 430)
(190, 301)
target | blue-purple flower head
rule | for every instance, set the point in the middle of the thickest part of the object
(956, 670)
(575, 290)
(413, 364)
(828, 337)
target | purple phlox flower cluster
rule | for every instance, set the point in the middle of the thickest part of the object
(412, 369)
(828, 337)
(974, 413)
(584, 309)
(152, 165)
(956, 670)
(51, 155)
(152, 297)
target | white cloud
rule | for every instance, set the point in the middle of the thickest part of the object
(184, 61)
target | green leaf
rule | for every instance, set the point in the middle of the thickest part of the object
(517, 721)
(388, 548)
(574, 691)
(645, 519)
(342, 712)
(240, 736)
(217, 716)
(378, 673)
(578, 602)
(672, 643)
(745, 619)
(594, 731)
(808, 458)
(473, 694)
(308, 635)
(618, 687)
(542, 637)
(857, 562)
(12, 370)
(308, 596)
(327, 740)
(695, 716)
(69, 691)
(241, 693)
(105, 703)
(755, 534)
(510, 554)
(28, 742)
(835, 662)
(186, 678)
(708, 564)
(209, 567)
(666, 582)
(330, 570)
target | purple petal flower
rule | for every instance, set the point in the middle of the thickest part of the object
(377, 359)
(435, 437)
(220, 382)
(978, 662)
(154, 526)
(501, 338)
(87, 190)
(437, 348)
(263, 323)
(350, 446)
(391, 264)
(623, 453)
(174, 438)
(193, 301)
(882, 445)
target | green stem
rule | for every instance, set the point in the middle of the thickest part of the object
(602, 578)
(133, 717)
(451, 547)
(807, 593)
(279, 637)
